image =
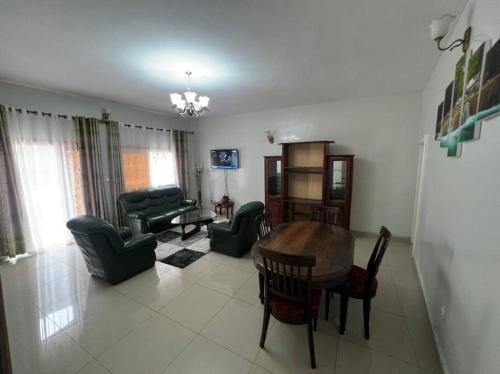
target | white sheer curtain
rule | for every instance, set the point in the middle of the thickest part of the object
(48, 166)
(148, 158)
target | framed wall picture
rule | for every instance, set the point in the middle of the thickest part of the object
(471, 94)
(490, 89)
(458, 90)
(437, 134)
(445, 121)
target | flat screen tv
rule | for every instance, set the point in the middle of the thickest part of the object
(224, 158)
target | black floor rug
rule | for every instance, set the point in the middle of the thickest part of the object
(183, 258)
(167, 236)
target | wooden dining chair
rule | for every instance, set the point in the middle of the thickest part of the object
(288, 293)
(361, 284)
(264, 224)
(326, 214)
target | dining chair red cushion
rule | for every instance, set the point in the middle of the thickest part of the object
(356, 281)
(291, 311)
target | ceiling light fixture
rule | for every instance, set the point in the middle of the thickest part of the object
(187, 105)
(439, 28)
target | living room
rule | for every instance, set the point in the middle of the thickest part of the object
(244, 187)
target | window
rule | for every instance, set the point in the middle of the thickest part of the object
(148, 168)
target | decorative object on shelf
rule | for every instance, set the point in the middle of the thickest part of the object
(186, 104)
(270, 137)
(198, 174)
(105, 113)
(480, 97)
(439, 28)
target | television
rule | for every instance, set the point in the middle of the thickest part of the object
(224, 158)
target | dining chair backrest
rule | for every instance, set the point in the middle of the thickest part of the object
(377, 256)
(264, 224)
(326, 214)
(287, 276)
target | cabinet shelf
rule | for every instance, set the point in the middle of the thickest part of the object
(297, 200)
(304, 169)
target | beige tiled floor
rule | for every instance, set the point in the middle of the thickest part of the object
(202, 319)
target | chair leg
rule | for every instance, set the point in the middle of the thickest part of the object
(311, 343)
(344, 302)
(366, 317)
(261, 288)
(265, 324)
(327, 303)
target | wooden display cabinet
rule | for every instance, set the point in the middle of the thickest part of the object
(339, 187)
(273, 201)
(304, 182)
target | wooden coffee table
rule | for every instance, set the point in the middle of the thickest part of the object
(194, 217)
(228, 205)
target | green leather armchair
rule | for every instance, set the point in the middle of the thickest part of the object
(236, 237)
(112, 254)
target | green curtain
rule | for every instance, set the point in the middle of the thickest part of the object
(117, 185)
(12, 240)
(89, 144)
(182, 159)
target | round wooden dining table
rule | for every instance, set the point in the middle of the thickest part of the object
(332, 246)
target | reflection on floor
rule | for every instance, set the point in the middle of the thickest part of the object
(205, 318)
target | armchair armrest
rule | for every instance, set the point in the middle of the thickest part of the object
(137, 215)
(188, 202)
(140, 242)
(223, 227)
(124, 232)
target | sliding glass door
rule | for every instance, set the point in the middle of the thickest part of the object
(48, 167)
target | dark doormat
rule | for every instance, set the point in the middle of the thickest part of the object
(183, 258)
(167, 236)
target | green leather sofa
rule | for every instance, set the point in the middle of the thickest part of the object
(152, 210)
(236, 237)
(112, 254)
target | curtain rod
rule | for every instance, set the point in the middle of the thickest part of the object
(65, 116)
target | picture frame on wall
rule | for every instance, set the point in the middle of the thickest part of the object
(445, 119)
(472, 92)
(458, 91)
(489, 101)
(437, 134)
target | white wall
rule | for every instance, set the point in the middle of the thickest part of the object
(458, 245)
(381, 131)
(48, 101)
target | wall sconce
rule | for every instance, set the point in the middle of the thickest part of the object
(270, 137)
(439, 28)
(105, 113)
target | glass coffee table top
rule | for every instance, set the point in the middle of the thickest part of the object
(194, 216)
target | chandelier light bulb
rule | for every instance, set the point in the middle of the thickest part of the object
(187, 104)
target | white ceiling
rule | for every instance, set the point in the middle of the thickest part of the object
(252, 54)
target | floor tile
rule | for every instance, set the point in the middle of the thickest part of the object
(424, 345)
(354, 359)
(159, 293)
(225, 279)
(51, 292)
(195, 306)
(249, 292)
(103, 329)
(256, 369)
(286, 350)
(57, 354)
(153, 274)
(388, 332)
(28, 328)
(237, 327)
(147, 349)
(413, 303)
(387, 298)
(198, 269)
(93, 367)
(204, 356)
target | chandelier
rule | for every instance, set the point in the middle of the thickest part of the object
(187, 105)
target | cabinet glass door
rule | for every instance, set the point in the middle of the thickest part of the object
(338, 180)
(274, 178)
